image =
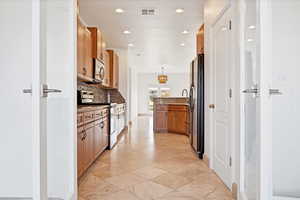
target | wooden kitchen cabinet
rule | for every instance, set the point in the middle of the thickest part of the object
(178, 119)
(171, 118)
(200, 40)
(80, 151)
(106, 81)
(161, 124)
(114, 69)
(89, 145)
(98, 143)
(92, 137)
(84, 52)
(97, 43)
(105, 134)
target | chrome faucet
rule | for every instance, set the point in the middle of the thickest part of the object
(185, 91)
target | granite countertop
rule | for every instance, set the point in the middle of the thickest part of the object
(179, 104)
(170, 97)
(85, 108)
(172, 101)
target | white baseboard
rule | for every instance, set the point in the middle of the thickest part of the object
(285, 198)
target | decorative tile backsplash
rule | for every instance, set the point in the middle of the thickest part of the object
(101, 95)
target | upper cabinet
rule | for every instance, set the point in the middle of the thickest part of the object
(91, 46)
(200, 40)
(114, 69)
(97, 43)
(106, 81)
(84, 52)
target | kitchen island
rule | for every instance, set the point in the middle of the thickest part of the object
(171, 115)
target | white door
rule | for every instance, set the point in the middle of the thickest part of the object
(38, 48)
(285, 105)
(250, 101)
(221, 118)
(256, 112)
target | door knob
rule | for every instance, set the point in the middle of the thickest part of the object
(275, 92)
(253, 90)
(46, 90)
(27, 91)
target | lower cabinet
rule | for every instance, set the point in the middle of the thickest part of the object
(92, 140)
(171, 118)
(80, 151)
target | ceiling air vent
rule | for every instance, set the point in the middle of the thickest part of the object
(148, 12)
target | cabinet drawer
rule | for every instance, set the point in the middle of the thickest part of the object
(161, 107)
(80, 119)
(89, 116)
(98, 114)
(177, 108)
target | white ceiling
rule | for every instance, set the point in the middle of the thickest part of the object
(156, 38)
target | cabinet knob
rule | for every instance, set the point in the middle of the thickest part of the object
(211, 106)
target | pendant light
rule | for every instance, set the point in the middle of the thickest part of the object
(162, 78)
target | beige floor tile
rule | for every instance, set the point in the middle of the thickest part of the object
(125, 181)
(149, 190)
(121, 195)
(93, 188)
(198, 191)
(147, 166)
(172, 180)
(175, 195)
(149, 172)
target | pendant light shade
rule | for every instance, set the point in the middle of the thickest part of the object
(162, 78)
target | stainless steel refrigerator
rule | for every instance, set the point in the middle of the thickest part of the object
(197, 105)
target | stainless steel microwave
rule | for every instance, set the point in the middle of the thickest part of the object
(99, 70)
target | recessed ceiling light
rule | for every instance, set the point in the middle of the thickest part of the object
(185, 32)
(130, 45)
(182, 44)
(119, 10)
(126, 32)
(179, 10)
(250, 40)
(251, 27)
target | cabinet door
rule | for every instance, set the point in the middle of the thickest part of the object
(88, 61)
(172, 121)
(80, 46)
(105, 133)
(98, 141)
(80, 152)
(180, 118)
(200, 40)
(161, 121)
(89, 146)
(99, 45)
(116, 71)
(107, 69)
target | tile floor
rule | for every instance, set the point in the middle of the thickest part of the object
(147, 166)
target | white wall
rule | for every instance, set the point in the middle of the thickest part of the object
(15, 117)
(286, 108)
(176, 82)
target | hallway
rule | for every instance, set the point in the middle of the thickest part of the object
(145, 166)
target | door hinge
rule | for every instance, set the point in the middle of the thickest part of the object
(230, 161)
(230, 93)
(230, 25)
